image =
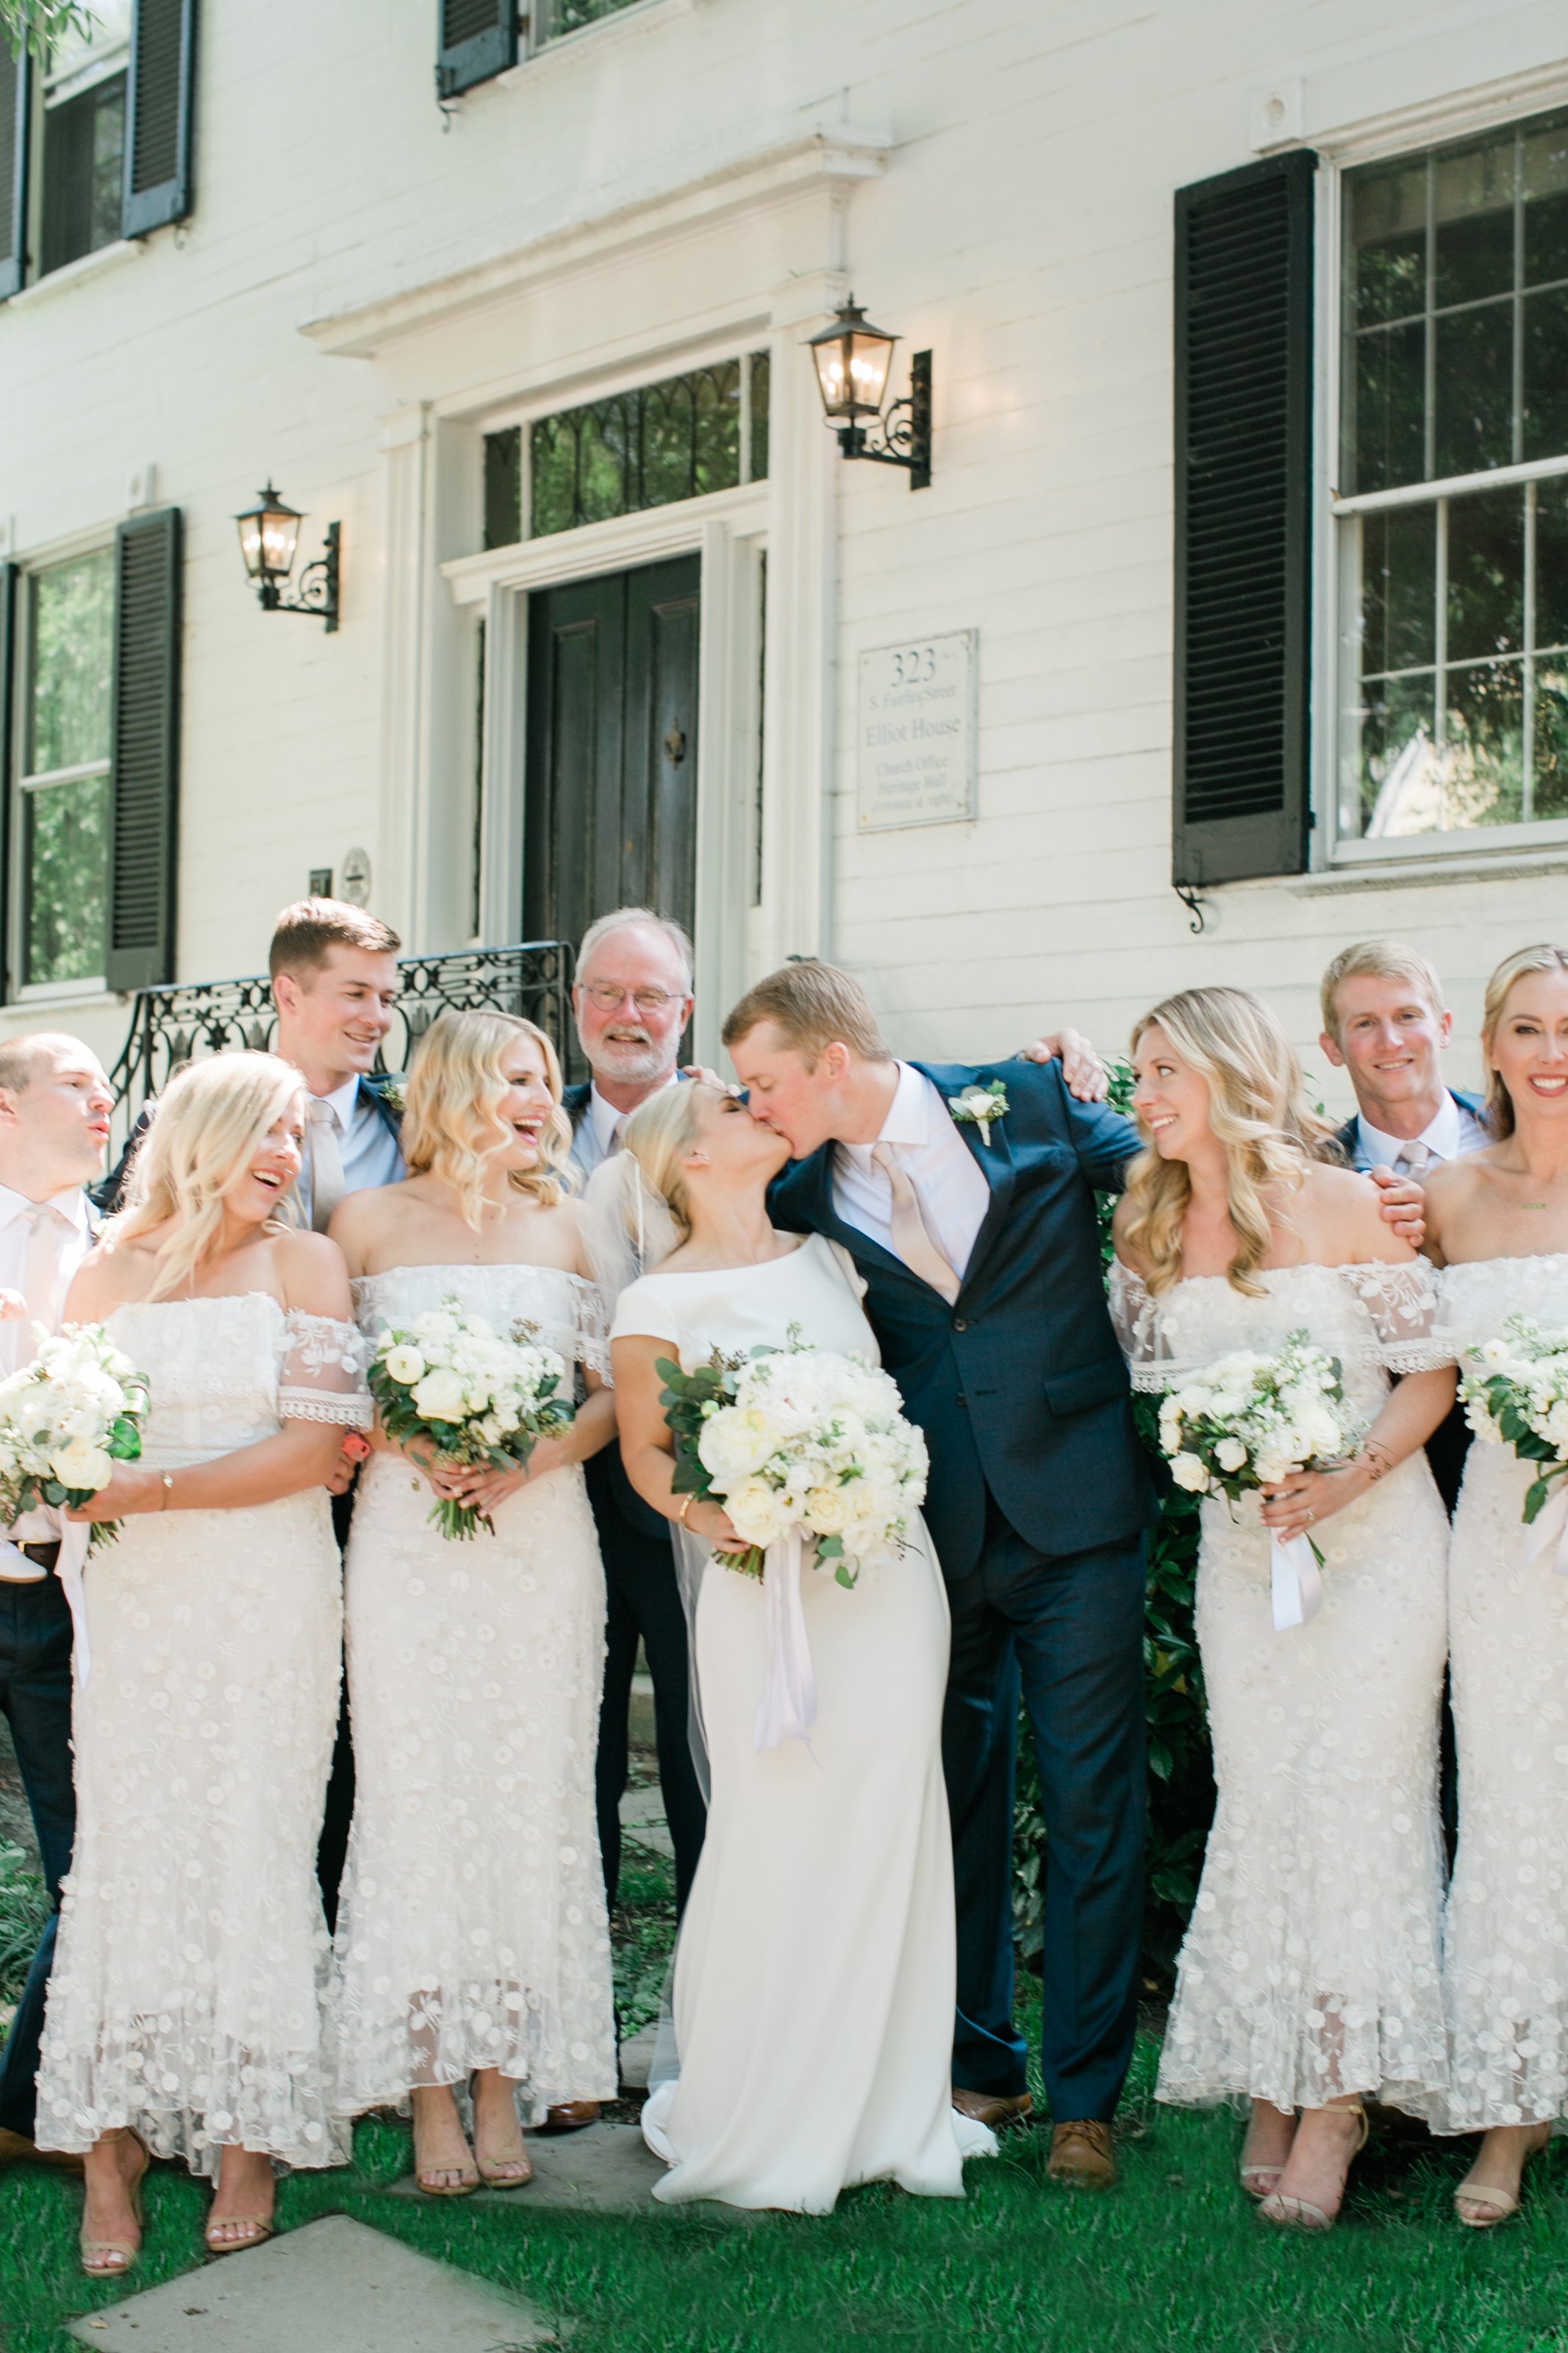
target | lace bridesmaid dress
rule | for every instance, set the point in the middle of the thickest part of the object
(188, 1994)
(1310, 1970)
(471, 1923)
(1505, 1945)
(815, 1976)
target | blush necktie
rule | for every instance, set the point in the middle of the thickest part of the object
(912, 1239)
(41, 1283)
(327, 1182)
(1414, 1161)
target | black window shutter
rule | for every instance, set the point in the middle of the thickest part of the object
(145, 751)
(474, 39)
(159, 98)
(10, 578)
(15, 96)
(1243, 475)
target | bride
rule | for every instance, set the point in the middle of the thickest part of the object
(815, 1977)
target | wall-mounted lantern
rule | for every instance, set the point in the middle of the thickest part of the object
(269, 537)
(853, 359)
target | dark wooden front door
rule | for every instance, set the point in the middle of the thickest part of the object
(611, 813)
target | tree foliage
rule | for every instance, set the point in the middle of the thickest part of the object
(35, 23)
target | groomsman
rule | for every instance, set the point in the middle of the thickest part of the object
(1385, 1023)
(633, 1002)
(55, 1107)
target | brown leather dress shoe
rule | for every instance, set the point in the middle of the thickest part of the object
(571, 2116)
(993, 2108)
(17, 2149)
(1081, 2155)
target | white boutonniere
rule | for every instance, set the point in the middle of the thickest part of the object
(393, 1096)
(980, 1107)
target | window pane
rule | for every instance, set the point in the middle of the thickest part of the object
(1486, 575)
(552, 452)
(1473, 191)
(1399, 791)
(1484, 745)
(761, 366)
(73, 622)
(1545, 419)
(558, 17)
(1546, 204)
(1551, 739)
(1399, 588)
(1387, 214)
(1474, 377)
(1389, 407)
(84, 158)
(1551, 563)
(65, 870)
(676, 439)
(503, 487)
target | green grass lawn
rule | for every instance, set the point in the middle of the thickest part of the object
(1174, 2259)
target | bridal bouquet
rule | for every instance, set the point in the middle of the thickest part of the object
(798, 1440)
(469, 1395)
(65, 1420)
(1517, 1396)
(1248, 1420)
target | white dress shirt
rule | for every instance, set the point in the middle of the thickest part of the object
(954, 1195)
(1453, 1133)
(597, 1140)
(365, 1142)
(71, 1232)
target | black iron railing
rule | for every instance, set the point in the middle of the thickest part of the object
(178, 1022)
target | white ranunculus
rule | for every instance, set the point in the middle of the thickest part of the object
(439, 1395)
(1189, 1472)
(405, 1364)
(80, 1465)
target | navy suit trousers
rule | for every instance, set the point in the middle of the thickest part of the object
(36, 1694)
(1068, 1629)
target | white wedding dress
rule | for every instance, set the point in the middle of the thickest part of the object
(188, 1994)
(1505, 1947)
(1310, 1966)
(815, 1976)
(471, 1923)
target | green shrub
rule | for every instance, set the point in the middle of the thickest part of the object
(23, 1911)
(1181, 1775)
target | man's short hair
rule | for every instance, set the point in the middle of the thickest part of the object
(21, 1058)
(621, 919)
(813, 1006)
(306, 934)
(1379, 960)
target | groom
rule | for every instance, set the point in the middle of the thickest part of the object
(979, 1250)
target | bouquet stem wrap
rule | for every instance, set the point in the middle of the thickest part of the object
(75, 1537)
(1295, 1583)
(1548, 1529)
(788, 1708)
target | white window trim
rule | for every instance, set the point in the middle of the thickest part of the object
(626, 22)
(1417, 856)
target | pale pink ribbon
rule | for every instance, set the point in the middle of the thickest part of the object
(75, 1537)
(788, 1707)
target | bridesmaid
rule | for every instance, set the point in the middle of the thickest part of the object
(186, 2012)
(472, 1944)
(1309, 1979)
(1498, 1220)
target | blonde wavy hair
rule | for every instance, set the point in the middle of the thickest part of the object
(211, 1117)
(1515, 967)
(1258, 1109)
(451, 1127)
(659, 1135)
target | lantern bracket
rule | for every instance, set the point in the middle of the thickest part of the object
(316, 594)
(904, 437)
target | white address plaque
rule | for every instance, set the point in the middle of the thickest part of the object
(916, 732)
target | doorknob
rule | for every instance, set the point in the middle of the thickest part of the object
(675, 746)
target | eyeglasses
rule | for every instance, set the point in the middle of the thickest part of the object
(610, 998)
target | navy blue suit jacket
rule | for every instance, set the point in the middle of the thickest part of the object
(1346, 1136)
(1020, 1385)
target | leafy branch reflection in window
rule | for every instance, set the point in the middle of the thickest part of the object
(84, 136)
(681, 438)
(554, 17)
(64, 845)
(1453, 598)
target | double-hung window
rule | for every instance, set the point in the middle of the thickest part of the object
(1451, 500)
(62, 834)
(84, 137)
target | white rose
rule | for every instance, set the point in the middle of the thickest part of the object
(439, 1395)
(735, 1443)
(754, 1511)
(80, 1465)
(829, 1510)
(1189, 1472)
(405, 1365)
(1230, 1454)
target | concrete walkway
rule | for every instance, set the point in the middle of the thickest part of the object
(333, 2286)
(607, 2169)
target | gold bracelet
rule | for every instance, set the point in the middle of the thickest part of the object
(168, 1483)
(685, 1503)
(1379, 1461)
